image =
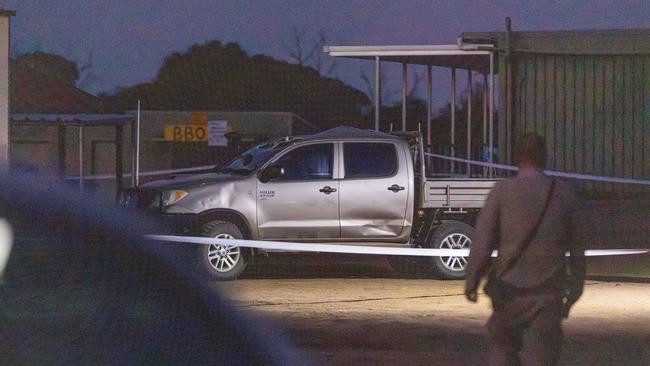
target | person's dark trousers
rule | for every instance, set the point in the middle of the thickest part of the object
(526, 330)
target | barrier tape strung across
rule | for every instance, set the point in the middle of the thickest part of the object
(596, 178)
(554, 173)
(353, 249)
(143, 174)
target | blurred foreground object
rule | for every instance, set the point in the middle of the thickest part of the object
(81, 286)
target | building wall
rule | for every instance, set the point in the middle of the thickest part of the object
(158, 154)
(594, 111)
(35, 147)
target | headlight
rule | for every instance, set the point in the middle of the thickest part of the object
(171, 197)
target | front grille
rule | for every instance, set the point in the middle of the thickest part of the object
(149, 200)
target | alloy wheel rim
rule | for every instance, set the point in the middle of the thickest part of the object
(223, 258)
(455, 241)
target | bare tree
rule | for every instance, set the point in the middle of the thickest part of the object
(306, 52)
(326, 66)
(299, 51)
(84, 59)
(385, 93)
(87, 73)
(417, 78)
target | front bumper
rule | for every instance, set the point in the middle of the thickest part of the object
(180, 224)
(177, 223)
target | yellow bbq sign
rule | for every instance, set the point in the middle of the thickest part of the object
(186, 133)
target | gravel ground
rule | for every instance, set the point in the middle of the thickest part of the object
(354, 310)
(343, 309)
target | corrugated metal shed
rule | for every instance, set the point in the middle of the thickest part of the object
(587, 92)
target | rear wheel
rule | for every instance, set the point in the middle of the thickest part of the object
(222, 262)
(451, 235)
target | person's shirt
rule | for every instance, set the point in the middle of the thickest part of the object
(507, 219)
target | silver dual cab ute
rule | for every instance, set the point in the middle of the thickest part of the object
(342, 186)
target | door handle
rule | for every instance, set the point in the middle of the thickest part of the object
(327, 190)
(395, 188)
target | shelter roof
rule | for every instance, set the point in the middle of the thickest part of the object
(469, 56)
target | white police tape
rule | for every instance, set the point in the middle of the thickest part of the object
(143, 174)
(554, 173)
(353, 249)
(596, 178)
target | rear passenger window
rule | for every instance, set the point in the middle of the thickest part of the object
(369, 160)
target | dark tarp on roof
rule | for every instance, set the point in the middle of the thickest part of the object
(343, 132)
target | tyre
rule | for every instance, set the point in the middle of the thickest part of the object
(221, 262)
(451, 235)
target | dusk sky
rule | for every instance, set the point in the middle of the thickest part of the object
(130, 39)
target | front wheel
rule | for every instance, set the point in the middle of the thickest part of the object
(222, 262)
(451, 235)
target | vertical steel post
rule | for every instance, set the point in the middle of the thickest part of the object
(453, 114)
(429, 112)
(119, 171)
(485, 118)
(81, 158)
(505, 140)
(491, 112)
(133, 152)
(429, 103)
(60, 133)
(377, 91)
(469, 121)
(404, 94)
(137, 149)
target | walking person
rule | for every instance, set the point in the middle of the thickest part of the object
(529, 220)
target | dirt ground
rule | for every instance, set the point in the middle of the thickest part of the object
(354, 310)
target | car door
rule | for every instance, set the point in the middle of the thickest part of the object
(302, 202)
(374, 190)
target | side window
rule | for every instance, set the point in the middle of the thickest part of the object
(311, 162)
(369, 160)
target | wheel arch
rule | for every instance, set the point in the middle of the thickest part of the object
(224, 214)
(469, 217)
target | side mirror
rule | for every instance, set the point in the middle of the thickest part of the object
(270, 173)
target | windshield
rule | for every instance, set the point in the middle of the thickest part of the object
(256, 156)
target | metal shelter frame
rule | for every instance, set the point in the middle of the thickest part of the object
(82, 121)
(471, 57)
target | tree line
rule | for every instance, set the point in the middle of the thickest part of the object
(222, 77)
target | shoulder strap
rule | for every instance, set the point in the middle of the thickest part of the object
(531, 234)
